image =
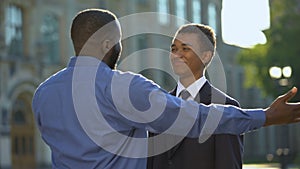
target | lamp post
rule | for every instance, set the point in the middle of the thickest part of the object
(281, 75)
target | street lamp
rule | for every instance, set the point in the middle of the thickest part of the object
(281, 76)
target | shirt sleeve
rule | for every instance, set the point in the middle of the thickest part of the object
(153, 108)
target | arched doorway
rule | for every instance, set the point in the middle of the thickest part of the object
(22, 133)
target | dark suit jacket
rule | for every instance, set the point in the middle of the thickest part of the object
(222, 151)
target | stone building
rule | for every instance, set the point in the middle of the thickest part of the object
(34, 43)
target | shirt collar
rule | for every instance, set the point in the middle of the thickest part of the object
(84, 61)
(193, 89)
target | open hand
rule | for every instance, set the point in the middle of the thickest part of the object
(282, 112)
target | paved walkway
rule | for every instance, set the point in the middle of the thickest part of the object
(266, 166)
(261, 166)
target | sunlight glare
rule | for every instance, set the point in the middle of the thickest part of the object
(243, 22)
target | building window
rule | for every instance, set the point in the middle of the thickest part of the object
(196, 11)
(24, 145)
(212, 16)
(180, 12)
(4, 117)
(16, 145)
(50, 39)
(30, 146)
(163, 9)
(142, 2)
(19, 117)
(14, 30)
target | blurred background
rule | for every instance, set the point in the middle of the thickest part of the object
(257, 43)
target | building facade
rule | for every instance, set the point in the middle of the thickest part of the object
(35, 43)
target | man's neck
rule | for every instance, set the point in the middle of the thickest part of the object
(186, 81)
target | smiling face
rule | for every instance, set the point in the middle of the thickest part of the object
(186, 56)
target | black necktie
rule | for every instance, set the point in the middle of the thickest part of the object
(184, 94)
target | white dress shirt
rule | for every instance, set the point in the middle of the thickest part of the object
(193, 89)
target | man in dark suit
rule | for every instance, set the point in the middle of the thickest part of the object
(192, 50)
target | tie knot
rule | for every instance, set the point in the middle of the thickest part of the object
(184, 94)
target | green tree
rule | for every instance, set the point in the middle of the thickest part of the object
(282, 49)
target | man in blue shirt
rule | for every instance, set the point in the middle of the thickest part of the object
(93, 116)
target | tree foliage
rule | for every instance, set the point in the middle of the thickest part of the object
(282, 49)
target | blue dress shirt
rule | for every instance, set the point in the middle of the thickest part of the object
(95, 117)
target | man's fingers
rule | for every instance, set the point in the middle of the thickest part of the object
(289, 95)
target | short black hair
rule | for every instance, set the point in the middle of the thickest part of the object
(206, 35)
(86, 23)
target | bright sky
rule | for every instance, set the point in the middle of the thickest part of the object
(243, 22)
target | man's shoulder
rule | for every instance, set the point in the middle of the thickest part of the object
(53, 80)
(217, 93)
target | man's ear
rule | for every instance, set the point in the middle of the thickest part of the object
(206, 57)
(106, 46)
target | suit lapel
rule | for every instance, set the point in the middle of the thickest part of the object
(173, 92)
(204, 94)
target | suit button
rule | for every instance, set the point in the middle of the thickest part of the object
(170, 162)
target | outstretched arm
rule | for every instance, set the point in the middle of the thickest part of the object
(282, 112)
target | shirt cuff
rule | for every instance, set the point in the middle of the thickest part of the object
(258, 117)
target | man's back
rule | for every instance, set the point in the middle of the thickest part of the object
(61, 130)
